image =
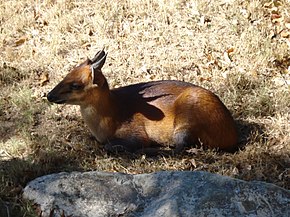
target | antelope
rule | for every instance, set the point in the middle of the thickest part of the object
(144, 117)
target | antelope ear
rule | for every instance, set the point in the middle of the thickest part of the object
(99, 60)
(96, 65)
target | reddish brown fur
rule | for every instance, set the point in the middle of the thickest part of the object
(143, 116)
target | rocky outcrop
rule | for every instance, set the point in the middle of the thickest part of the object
(93, 194)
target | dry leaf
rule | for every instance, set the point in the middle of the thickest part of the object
(43, 78)
(230, 50)
(249, 167)
(285, 34)
(90, 33)
(254, 73)
(287, 25)
(20, 41)
(144, 69)
(272, 34)
(276, 18)
(235, 171)
(202, 79)
(87, 45)
(202, 20)
(277, 3)
(268, 4)
(193, 163)
(193, 151)
(274, 10)
(210, 57)
(227, 57)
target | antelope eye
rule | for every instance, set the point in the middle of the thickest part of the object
(76, 86)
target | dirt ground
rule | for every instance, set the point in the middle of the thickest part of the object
(237, 49)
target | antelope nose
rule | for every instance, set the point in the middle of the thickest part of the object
(55, 98)
(51, 97)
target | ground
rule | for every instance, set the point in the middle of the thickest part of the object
(240, 50)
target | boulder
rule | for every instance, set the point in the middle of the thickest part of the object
(167, 193)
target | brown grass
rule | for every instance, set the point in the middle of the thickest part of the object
(238, 49)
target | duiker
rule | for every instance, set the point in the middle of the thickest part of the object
(145, 116)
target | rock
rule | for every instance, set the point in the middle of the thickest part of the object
(93, 194)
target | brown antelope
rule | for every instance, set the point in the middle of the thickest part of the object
(145, 116)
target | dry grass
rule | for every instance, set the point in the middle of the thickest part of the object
(238, 49)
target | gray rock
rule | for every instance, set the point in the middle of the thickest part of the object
(93, 194)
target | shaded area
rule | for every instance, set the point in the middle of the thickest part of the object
(248, 131)
(65, 144)
(10, 74)
(57, 140)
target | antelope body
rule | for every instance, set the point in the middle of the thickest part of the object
(144, 116)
